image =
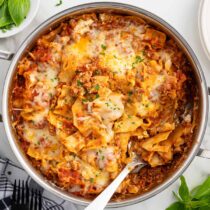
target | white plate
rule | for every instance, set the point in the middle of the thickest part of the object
(204, 25)
(32, 12)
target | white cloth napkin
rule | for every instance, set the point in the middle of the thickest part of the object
(9, 172)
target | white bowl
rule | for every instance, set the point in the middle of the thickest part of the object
(31, 14)
(204, 25)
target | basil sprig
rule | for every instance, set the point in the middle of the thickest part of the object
(1, 2)
(18, 10)
(13, 12)
(197, 199)
(5, 18)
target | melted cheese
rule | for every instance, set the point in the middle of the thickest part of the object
(83, 26)
(35, 135)
(119, 55)
(104, 111)
(109, 109)
(44, 80)
(149, 105)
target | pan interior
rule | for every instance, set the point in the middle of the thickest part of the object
(121, 9)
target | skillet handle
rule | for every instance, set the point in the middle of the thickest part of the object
(204, 153)
(5, 55)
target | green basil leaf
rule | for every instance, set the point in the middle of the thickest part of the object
(204, 208)
(1, 2)
(202, 190)
(18, 10)
(194, 190)
(5, 18)
(3, 9)
(183, 190)
(205, 198)
(176, 206)
(177, 197)
(196, 204)
(4, 21)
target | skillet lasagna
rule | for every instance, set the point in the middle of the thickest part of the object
(91, 86)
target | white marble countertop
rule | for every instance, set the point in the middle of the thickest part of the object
(183, 16)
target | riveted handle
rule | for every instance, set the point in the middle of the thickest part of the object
(5, 55)
(204, 153)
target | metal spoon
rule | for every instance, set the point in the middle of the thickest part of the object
(101, 201)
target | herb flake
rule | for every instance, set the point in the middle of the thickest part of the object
(59, 3)
(79, 83)
(91, 180)
(130, 93)
(97, 87)
(96, 72)
(97, 96)
(103, 47)
(138, 59)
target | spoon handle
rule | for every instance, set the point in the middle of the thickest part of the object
(101, 201)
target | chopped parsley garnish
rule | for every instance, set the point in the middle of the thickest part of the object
(79, 83)
(97, 96)
(130, 93)
(59, 3)
(138, 59)
(84, 100)
(54, 79)
(112, 106)
(102, 158)
(96, 72)
(60, 123)
(107, 104)
(97, 87)
(91, 180)
(103, 47)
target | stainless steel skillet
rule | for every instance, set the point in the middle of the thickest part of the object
(119, 9)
